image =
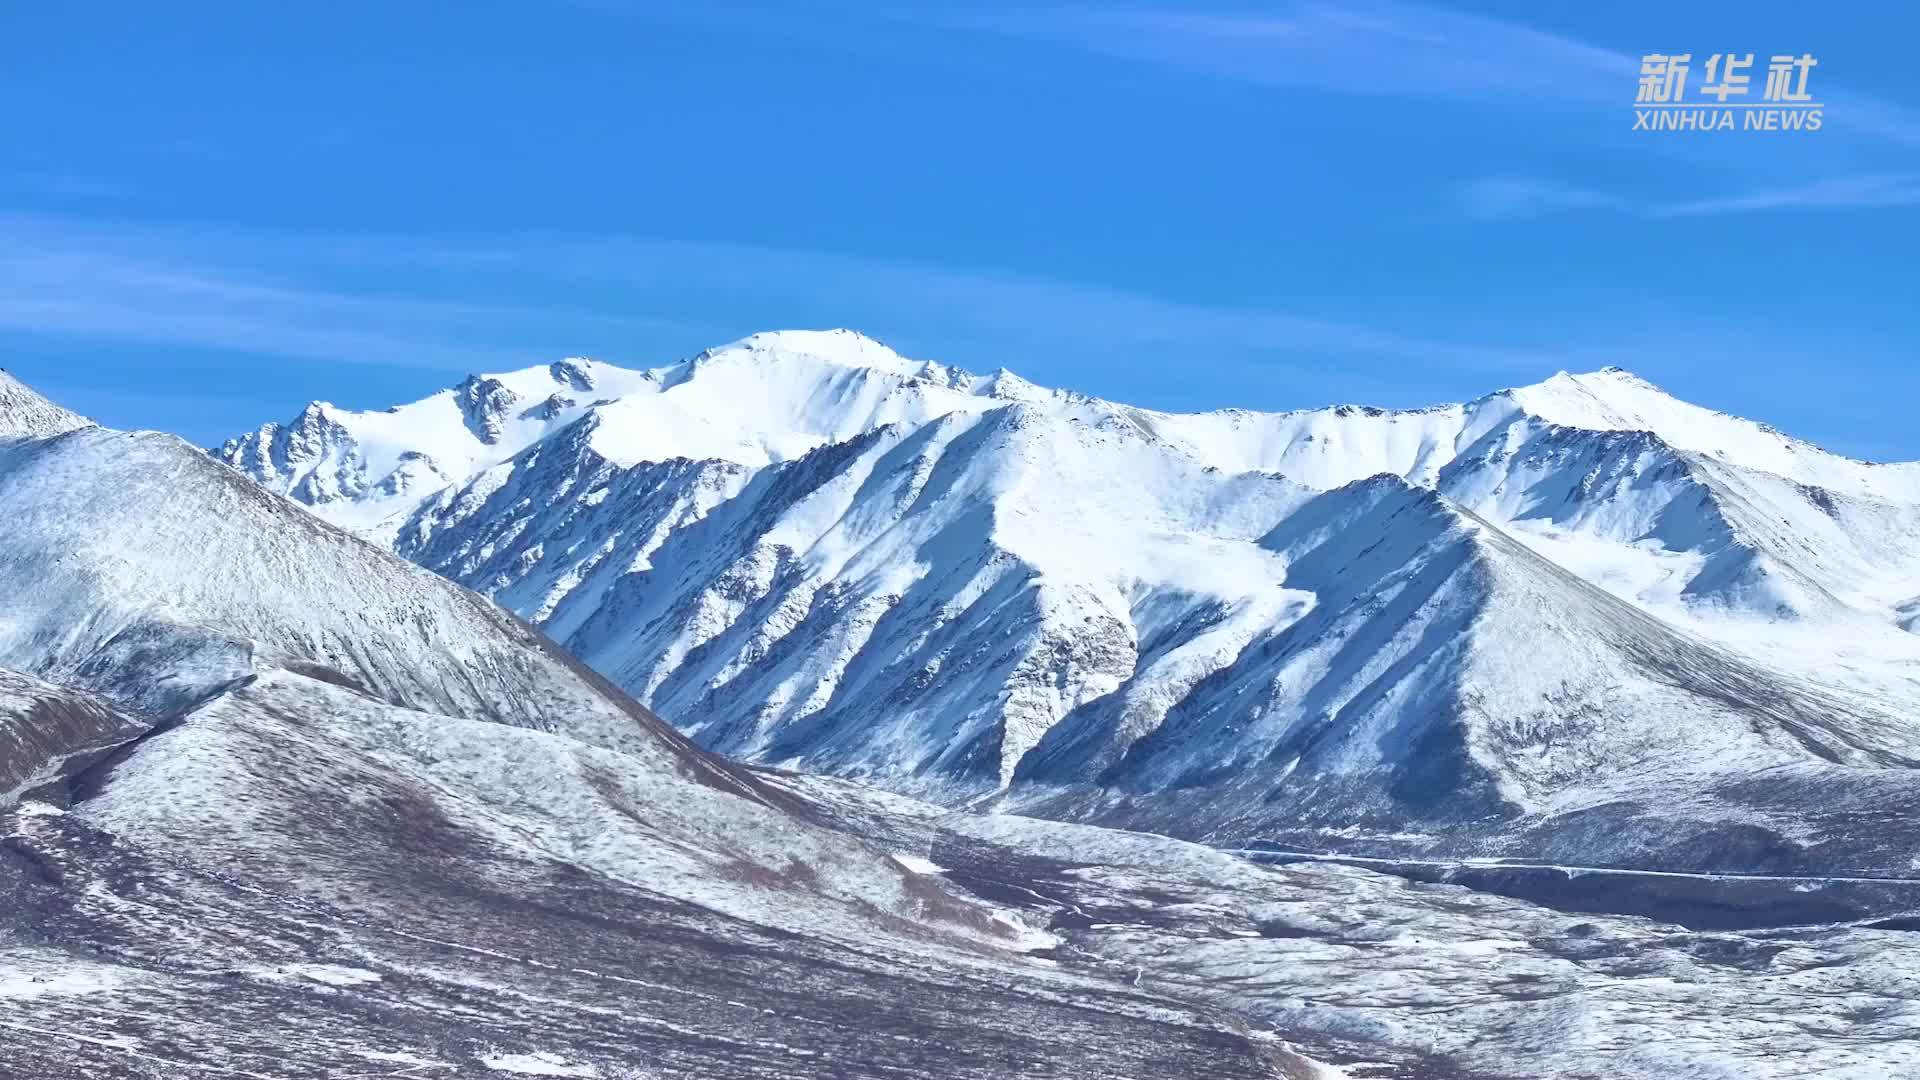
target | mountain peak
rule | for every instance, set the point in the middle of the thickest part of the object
(25, 413)
(840, 346)
(1611, 376)
(1610, 399)
(574, 373)
(1614, 399)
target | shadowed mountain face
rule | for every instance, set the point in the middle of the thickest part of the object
(48, 733)
(1570, 620)
(1470, 699)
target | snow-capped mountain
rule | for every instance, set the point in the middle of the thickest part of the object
(770, 398)
(806, 549)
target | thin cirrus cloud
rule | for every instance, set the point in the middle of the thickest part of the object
(1363, 48)
(1519, 198)
(1385, 48)
(992, 306)
(1373, 47)
(226, 290)
(98, 283)
(1840, 193)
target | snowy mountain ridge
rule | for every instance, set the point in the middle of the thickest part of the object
(773, 396)
(808, 550)
(25, 414)
(766, 398)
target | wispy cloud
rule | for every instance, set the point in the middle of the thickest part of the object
(649, 301)
(1363, 48)
(232, 291)
(130, 285)
(1020, 315)
(1840, 193)
(1373, 47)
(1519, 198)
(1513, 197)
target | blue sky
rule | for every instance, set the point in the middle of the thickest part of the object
(211, 213)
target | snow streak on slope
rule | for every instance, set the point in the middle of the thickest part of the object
(809, 550)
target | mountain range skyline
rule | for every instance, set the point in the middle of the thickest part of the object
(365, 389)
(1181, 205)
(814, 553)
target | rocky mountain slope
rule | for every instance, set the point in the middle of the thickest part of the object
(1581, 611)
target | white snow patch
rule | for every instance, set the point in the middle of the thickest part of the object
(917, 864)
(536, 1064)
(331, 974)
(24, 977)
(1028, 939)
(401, 1058)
